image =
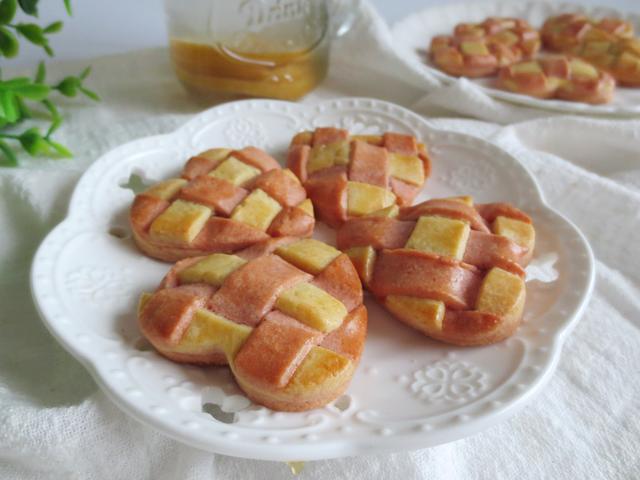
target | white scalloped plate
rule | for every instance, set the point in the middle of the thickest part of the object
(409, 392)
(412, 36)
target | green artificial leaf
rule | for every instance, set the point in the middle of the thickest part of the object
(34, 91)
(41, 73)
(30, 7)
(55, 124)
(54, 27)
(8, 43)
(60, 149)
(12, 93)
(51, 108)
(16, 93)
(4, 116)
(68, 86)
(9, 106)
(33, 142)
(89, 93)
(9, 159)
(14, 83)
(7, 10)
(25, 111)
(33, 33)
(85, 73)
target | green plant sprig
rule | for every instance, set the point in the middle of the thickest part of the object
(18, 95)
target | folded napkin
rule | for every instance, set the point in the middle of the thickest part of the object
(56, 424)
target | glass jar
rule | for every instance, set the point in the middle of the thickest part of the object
(257, 48)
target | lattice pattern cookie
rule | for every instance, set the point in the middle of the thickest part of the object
(448, 268)
(226, 200)
(350, 176)
(560, 76)
(285, 314)
(608, 44)
(479, 49)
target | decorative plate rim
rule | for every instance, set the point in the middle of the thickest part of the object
(53, 316)
(413, 60)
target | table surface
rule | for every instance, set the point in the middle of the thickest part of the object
(98, 27)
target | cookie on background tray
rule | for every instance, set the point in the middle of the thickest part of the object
(608, 43)
(480, 49)
(559, 76)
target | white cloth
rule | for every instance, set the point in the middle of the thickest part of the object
(56, 424)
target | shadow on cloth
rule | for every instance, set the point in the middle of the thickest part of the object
(32, 364)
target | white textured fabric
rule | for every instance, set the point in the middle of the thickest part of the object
(56, 424)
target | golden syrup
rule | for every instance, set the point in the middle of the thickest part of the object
(207, 70)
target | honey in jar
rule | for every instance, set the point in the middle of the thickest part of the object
(259, 48)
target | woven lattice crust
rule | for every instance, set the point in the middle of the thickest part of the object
(224, 201)
(285, 314)
(608, 44)
(350, 176)
(480, 49)
(559, 76)
(452, 270)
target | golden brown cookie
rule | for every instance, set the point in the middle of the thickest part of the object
(480, 49)
(224, 201)
(447, 268)
(285, 314)
(608, 44)
(559, 76)
(350, 176)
